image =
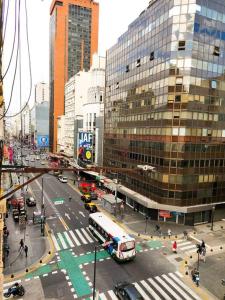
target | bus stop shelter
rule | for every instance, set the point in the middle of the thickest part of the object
(111, 204)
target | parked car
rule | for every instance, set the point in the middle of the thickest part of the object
(91, 207)
(31, 201)
(38, 158)
(63, 179)
(17, 202)
(17, 213)
(60, 176)
(42, 162)
(127, 291)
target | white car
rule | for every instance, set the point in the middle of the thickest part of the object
(63, 179)
(38, 158)
(42, 162)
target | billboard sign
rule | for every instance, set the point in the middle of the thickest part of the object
(42, 140)
(85, 146)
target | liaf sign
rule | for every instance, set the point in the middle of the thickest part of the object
(85, 146)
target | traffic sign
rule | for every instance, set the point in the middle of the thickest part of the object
(58, 201)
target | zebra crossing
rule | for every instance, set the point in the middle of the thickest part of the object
(186, 246)
(72, 238)
(164, 287)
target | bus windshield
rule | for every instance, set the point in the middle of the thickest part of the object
(127, 246)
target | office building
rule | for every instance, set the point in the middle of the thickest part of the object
(165, 108)
(41, 92)
(73, 40)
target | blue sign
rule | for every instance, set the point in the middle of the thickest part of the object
(42, 140)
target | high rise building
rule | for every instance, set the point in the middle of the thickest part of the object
(73, 40)
(165, 107)
(41, 92)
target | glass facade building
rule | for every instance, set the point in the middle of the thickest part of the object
(165, 106)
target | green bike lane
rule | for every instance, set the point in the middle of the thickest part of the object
(72, 265)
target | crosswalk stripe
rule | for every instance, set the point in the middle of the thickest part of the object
(55, 242)
(171, 282)
(112, 295)
(81, 236)
(68, 239)
(146, 297)
(158, 288)
(91, 234)
(184, 286)
(74, 238)
(150, 290)
(102, 296)
(188, 247)
(62, 240)
(179, 274)
(163, 283)
(87, 236)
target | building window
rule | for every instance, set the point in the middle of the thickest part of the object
(181, 45)
(138, 63)
(100, 98)
(213, 84)
(178, 98)
(117, 85)
(127, 68)
(216, 51)
(152, 55)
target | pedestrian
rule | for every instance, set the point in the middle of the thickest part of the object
(203, 254)
(185, 235)
(157, 227)
(174, 247)
(7, 250)
(193, 273)
(21, 244)
(169, 233)
(26, 250)
(202, 244)
(70, 198)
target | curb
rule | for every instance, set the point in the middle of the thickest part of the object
(33, 267)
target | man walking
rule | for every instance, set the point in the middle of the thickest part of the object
(21, 244)
(26, 250)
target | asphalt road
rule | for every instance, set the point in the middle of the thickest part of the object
(70, 274)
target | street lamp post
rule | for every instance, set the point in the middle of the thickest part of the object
(95, 294)
(42, 207)
(212, 217)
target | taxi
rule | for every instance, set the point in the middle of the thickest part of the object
(91, 207)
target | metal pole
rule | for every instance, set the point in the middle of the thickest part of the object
(42, 206)
(94, 280)
(212, 217)
(146, 223)
(198, 261)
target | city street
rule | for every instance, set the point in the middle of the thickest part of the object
(70, 274)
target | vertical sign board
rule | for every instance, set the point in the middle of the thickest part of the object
(85, 146)
(42, 141)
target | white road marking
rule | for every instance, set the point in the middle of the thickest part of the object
(68, 239)
(82, 214)
(74, 238)
(62, 240)
(144, 295)
(150, 290)
(158, 288)
(165, 285)
(81, 236)
(87, 236)
(112, 295)
(178, 289)
(55, 242)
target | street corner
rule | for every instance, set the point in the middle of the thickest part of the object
(32, 291)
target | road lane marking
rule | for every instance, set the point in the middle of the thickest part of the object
(165, 285)
(86, 235)
(81, 236)
(64, 223)
(144, 295)
(178, 289)
(112, 295)
(55, 242)
(150, 290)
(74, 238)
(158, 288)
(67, 215)
(62, 240)
(68, 239)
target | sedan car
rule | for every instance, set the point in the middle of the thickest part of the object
(86, 198)
(91, 207)
(127, 291)
(63, 179)
(31, 201)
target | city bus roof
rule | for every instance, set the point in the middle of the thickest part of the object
(110, 227)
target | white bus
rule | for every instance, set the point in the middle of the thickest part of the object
(115, 240)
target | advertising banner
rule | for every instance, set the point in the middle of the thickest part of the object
(42, 140)
(164, 213)
(85, 146)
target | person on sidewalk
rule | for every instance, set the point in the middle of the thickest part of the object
(185, 235)
(203, 254)
(70, 198)
(21, 244)
(202, 244)
(174, 247)
(169, 232)
(26, 250)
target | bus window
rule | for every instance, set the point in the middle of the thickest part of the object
(127, 246)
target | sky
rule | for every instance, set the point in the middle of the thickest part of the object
(114, 18)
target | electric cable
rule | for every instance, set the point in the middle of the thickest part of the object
(14, 40)
(29, 59)
(15, 71)
(5, 21)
